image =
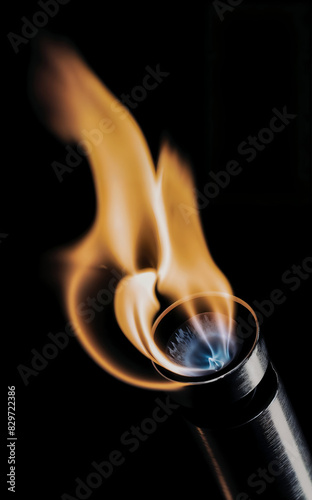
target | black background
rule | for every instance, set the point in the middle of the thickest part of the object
(225, 79)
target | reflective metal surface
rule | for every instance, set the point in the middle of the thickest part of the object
(263, 457)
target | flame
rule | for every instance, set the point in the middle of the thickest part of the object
(140, 231)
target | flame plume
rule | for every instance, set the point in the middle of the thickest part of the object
(140, 230)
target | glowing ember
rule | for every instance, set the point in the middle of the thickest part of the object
(139, 229)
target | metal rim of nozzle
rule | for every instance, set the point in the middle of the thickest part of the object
(242, 375)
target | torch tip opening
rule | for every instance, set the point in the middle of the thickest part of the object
(207, 345)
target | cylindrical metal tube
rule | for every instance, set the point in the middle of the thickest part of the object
(243, 419)
(261, 453)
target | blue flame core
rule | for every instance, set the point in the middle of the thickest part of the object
(201, 345)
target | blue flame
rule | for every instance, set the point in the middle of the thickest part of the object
(201, 345)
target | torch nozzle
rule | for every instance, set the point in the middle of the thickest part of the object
(237, 407)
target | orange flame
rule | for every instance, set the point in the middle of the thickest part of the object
(140, 230)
